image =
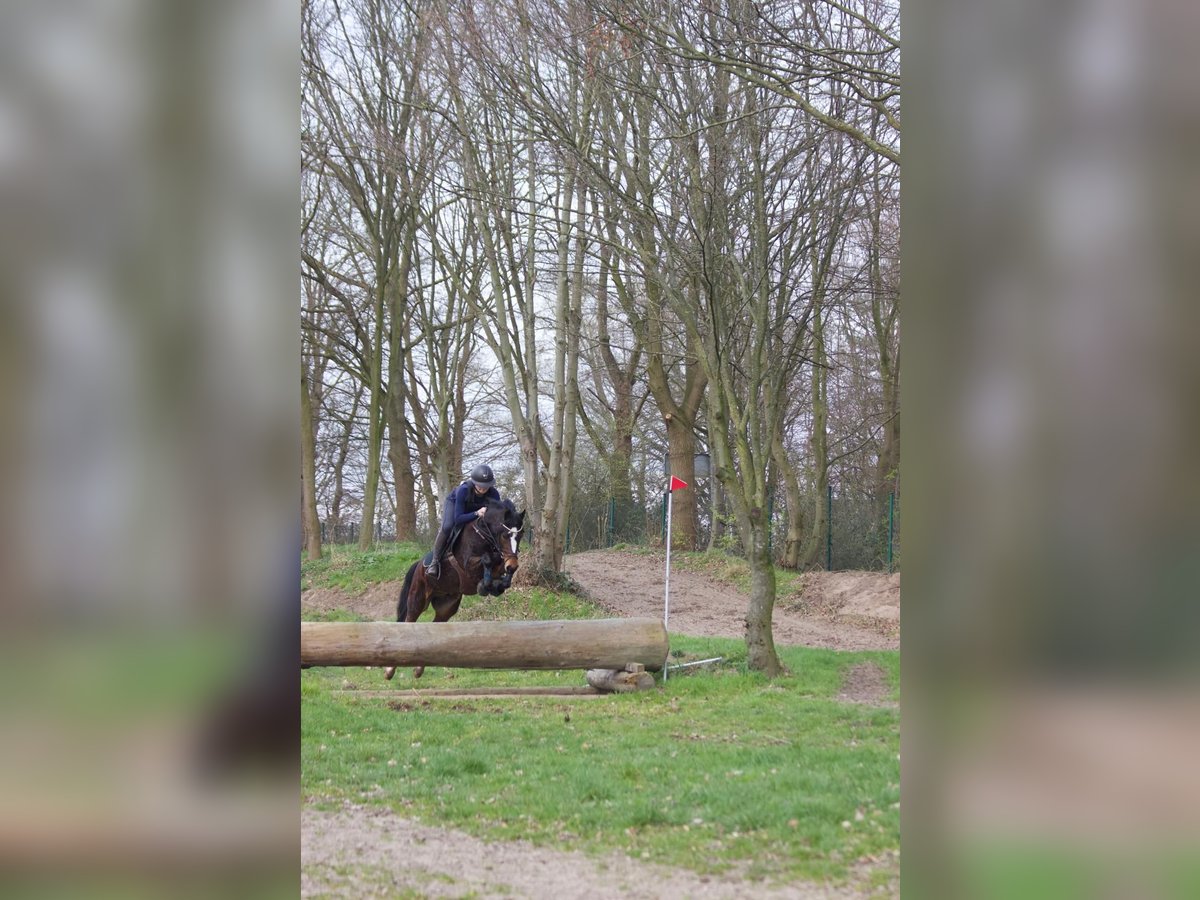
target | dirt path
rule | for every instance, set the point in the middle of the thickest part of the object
(836, 610)
(364, 852)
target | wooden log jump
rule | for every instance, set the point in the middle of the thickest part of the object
(555, 644)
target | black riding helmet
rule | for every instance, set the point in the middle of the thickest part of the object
(482, 476)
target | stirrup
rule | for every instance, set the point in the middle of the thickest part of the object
(434, 569)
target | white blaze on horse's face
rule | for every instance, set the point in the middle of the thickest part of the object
(514, 535)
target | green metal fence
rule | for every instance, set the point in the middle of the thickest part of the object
(861, 530)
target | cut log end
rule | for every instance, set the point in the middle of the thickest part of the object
(612, 681)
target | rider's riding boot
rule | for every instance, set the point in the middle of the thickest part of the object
(434, 569)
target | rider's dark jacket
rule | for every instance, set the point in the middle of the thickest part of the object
(463, 503)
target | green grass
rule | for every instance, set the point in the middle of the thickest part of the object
(1005, 868)
(349, 569)
(719, 767)
(526, 604)
(332, 615)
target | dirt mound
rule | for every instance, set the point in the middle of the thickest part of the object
(838, 610)
(871, 595)
(378, 602)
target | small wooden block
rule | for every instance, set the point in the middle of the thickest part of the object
(634, 667)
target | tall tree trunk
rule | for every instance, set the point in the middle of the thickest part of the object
(887, 469)
(516, 349)
(614, 380)
(400, 456)
(760, 643)
(308, 470)
(647, 318)
(883, 319)
(748, 502)
(716, 529)
(529, 426)
(794, 539)
(679, 417)
(339, 470)
(375, 429)
(551, 536)
(399, 451)
(573, 325)
(885, 310)
(810, 557)
(681, 460)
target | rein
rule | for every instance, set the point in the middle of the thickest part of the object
(493, 542)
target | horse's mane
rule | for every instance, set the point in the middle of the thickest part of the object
(508, 509)
(498, 510)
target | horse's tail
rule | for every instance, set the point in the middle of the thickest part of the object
(402, 609)
(402, 605)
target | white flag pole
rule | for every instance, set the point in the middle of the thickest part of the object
(667, 586)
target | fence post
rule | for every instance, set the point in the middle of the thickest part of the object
(612, 519)
(829, 528)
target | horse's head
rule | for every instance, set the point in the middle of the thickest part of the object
(505, 525)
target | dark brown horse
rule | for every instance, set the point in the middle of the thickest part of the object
(482, 560)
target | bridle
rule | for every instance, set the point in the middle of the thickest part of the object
(509, 553)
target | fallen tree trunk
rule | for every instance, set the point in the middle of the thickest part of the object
(569, 644)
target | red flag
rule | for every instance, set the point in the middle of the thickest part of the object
(677, 483)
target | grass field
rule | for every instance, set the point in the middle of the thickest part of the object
(351, 570)
(718, 768)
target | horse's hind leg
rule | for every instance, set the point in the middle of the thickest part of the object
(443, 609)
(418, 602)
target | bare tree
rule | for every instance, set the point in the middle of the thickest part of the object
(361, 79)
(513, 189)
(652, 222)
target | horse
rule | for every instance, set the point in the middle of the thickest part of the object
(482, 560)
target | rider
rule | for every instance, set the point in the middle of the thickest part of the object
(466, 502)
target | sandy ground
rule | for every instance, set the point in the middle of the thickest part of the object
(835, 610)
(360, 851)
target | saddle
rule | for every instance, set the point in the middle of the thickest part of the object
(427, 559)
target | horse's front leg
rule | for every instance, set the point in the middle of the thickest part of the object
(486, 584)
(444, 608)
